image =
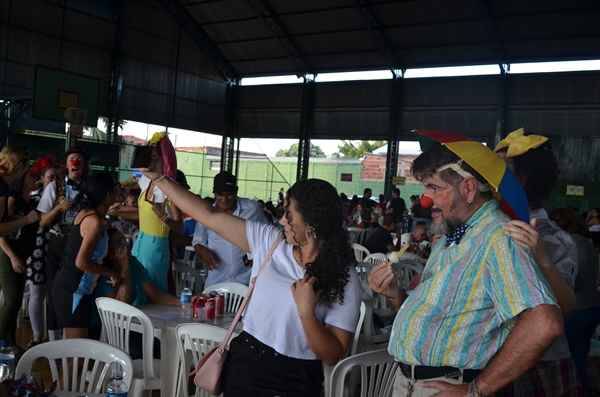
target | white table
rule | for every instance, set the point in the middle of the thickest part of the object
(164, 330)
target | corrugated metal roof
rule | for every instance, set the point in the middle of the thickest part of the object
(168, 78)
(333, 35)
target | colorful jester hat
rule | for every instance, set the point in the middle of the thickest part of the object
(505, 185)
(517, 143)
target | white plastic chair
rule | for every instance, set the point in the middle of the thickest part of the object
(371, 340)
(411, 256)
(104, 357)
(328, 369)
(183, 273)
(195, 262)
(405, 270)
(116, 318)
(353, 233)
(364, 236)
(194, 341)
(234, 294)
(377, 372)
(375, 258)
(360, 252)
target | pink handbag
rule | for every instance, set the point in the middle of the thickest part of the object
(209, 369)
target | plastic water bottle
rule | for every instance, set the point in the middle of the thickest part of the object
(186, 301)
(116, 387)
(7, 360)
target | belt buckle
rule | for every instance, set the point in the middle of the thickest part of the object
(454, 374)
(405, 369)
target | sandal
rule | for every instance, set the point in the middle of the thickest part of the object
(33, 342)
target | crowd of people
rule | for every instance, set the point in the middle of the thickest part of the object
(507, 304)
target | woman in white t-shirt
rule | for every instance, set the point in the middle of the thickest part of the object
(305, 305)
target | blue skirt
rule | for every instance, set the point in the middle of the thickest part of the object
(153, 253)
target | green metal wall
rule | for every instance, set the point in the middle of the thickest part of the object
(261, 179)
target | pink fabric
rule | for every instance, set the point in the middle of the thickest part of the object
(169, 157)
(415, 281)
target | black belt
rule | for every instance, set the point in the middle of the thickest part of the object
(423, 372)
(267, 353)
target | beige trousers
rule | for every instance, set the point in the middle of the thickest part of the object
(401, 386)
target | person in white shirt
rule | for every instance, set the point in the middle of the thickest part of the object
(306, 302)
(224, 261)
(57, 214)
(418, 235)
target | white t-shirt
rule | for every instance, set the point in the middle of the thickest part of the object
(46, 203)
(272, 315)
(159, 196)
(406, 238)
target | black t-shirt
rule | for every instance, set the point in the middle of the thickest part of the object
(367, 203)
(399, 207)
(421, 212)
(379, 241)
(25, 244)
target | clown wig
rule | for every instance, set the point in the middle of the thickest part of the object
(161, 139)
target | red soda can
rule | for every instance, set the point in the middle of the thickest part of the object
(210, 308)
(198, 303)
(219, 304)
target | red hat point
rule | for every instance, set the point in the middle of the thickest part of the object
(426, 202)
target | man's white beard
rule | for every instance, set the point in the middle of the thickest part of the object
(448, 225)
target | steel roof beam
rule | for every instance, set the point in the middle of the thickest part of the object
(379, 35)
(485, 8)
(189, 24)
(266, 13)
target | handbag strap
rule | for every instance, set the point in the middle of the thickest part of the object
(249, 294)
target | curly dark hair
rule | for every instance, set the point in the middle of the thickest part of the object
(540, 169)
(320, 206)
(568, 220)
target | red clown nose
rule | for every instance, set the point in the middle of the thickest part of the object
(426, 202)
(75, 162)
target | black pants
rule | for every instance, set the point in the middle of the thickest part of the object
(255, 369)
(56, 249)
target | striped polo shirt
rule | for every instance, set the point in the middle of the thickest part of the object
(469, 296)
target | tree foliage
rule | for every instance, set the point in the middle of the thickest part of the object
(357, 149)
(315, 151)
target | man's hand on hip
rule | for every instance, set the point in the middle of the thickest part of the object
(447, 389)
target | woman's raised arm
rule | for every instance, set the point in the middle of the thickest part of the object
(231, 228)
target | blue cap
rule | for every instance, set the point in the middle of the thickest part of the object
(4, 343)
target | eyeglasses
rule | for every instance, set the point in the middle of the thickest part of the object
(51, 176)
(117, 186)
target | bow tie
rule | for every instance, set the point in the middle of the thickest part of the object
(76, 185)
(456, 235)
